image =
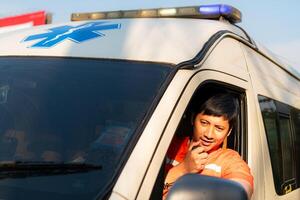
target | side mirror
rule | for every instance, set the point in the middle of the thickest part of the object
(199, 187)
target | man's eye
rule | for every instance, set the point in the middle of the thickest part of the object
(219, 128)
(203, 122)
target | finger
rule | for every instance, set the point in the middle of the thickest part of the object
(203, 155)
(193, 144)
(198, 150)
(200, 164)
(201, 159)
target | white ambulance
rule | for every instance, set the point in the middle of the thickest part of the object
(88, 109)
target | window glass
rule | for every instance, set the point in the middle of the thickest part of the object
(268, 110)
(279, 130)
(287, 147)
(70, 111)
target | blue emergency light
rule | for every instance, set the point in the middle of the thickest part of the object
(220, 10)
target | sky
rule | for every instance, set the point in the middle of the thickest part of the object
(273, 23)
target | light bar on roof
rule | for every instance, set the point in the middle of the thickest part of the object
(217, 11)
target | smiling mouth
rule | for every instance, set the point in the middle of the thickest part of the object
(205, 142)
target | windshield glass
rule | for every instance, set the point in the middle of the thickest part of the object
(67, 110)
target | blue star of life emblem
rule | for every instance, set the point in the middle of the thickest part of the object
(76, 34)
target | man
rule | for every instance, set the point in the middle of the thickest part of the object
(202, 152)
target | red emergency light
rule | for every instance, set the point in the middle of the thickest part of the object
(36, 18)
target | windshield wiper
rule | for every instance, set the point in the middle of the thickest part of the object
(22, 169)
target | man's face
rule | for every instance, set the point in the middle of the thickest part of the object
(210, 130)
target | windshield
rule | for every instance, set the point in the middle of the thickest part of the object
(59, 111)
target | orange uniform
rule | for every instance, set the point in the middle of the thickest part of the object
(223, 163)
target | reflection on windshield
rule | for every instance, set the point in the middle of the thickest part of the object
(71, 111)
(24, 169)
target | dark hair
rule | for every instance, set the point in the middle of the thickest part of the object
(223, 104)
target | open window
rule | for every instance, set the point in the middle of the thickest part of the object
(237, 138)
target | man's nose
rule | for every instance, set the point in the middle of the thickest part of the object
(209, 132)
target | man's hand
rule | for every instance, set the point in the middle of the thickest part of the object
(194, 162)
(195, 159)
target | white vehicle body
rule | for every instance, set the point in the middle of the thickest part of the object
(202, 51)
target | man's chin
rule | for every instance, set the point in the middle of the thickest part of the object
(210, 149)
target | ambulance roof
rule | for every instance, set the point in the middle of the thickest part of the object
(283, 63)
(167, 40)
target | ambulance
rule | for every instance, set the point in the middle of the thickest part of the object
(88, 108)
